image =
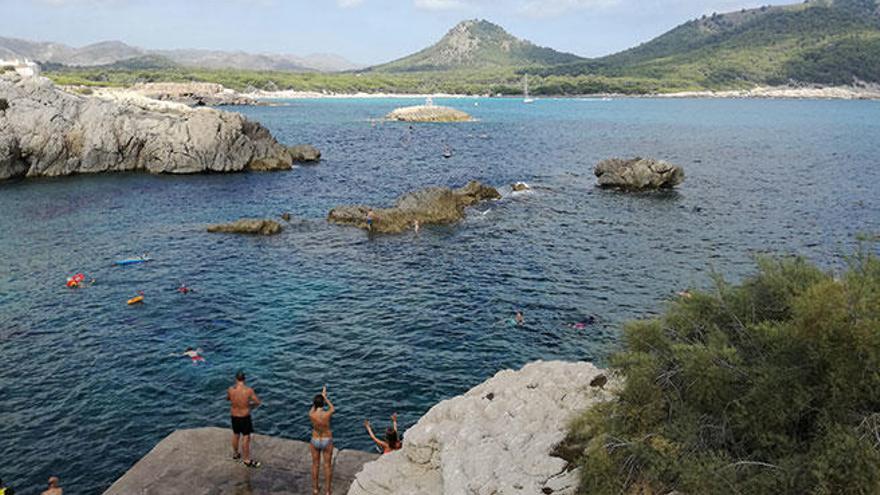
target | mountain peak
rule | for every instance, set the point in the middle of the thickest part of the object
(478, 43)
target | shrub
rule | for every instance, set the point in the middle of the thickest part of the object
(770, 386)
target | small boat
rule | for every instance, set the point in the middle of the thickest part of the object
(526, 97)
(135, 300)
(132, 261)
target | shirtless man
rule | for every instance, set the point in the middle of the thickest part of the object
(53, 489)
(322, 440)
(242, 398)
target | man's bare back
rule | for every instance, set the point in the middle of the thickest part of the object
(241, 396)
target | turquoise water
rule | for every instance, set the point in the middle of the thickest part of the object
(395, 323)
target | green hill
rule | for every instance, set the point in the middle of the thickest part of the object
(477, 44)
(818, 41)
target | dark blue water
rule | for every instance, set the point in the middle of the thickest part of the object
(397, 323)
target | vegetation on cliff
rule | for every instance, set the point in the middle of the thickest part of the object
(770, 386)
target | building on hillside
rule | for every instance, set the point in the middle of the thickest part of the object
(23, 67)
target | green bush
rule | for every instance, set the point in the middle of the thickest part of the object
(771, 386)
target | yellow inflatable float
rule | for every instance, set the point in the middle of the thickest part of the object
(136, 300)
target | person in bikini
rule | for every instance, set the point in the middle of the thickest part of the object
(392, 439)
(242, 398)
(322, 440)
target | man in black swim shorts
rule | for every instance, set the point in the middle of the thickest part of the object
(242, 398)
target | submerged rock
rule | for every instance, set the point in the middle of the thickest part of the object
(434, 205)
(638, 174)
(519, 187)
(252, 226)
(304, 153)
(496, 438)
(428, 113)
(48, 132)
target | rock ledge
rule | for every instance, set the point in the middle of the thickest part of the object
(494, 439)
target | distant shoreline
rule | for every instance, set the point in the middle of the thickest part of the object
(782, 93)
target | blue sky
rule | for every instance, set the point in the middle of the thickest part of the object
(365, 31)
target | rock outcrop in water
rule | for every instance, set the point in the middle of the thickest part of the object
(434, 205)
(497, 438)
(252, 226)
(638, 174)
(304, 153)
(428, 113)
(48, 132)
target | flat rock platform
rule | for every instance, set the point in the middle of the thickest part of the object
(199, 462)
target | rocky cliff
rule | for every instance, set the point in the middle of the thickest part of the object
(47, 132)
(497, 438)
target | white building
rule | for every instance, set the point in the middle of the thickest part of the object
(23, 67)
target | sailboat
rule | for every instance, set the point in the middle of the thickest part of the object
(526, 97)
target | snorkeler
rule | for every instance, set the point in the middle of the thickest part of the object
(519, 319)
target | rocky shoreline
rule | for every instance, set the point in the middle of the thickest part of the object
(47, 132)
(499, 437)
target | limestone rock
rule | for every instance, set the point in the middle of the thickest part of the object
(191, 93)
(638, 174)
(495, 439)
(253, 226)
(434, 205)
(428, 113)
(304, 153)
(48, 132)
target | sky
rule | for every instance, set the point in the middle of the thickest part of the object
(363, 31)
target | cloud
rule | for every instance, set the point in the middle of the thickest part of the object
(347, 4)
(553, 8)
(441, 4)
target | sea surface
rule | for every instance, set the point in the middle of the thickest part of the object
(88, 384)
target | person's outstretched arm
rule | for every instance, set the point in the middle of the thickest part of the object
(394, 422)
(380, 443)
(330, 409)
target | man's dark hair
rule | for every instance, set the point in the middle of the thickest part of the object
(318, 402)
(239, 376)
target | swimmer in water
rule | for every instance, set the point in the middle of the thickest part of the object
(194, 355)
(580, 325)
(183, 289)
(519, 319)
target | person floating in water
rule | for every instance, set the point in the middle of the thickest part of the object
(183, 289)
(580, 325)
(371, 217)
(519, 319)
(6, 490)
(242, 398)
(392, 439)
(195, 355)
(322, 440)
